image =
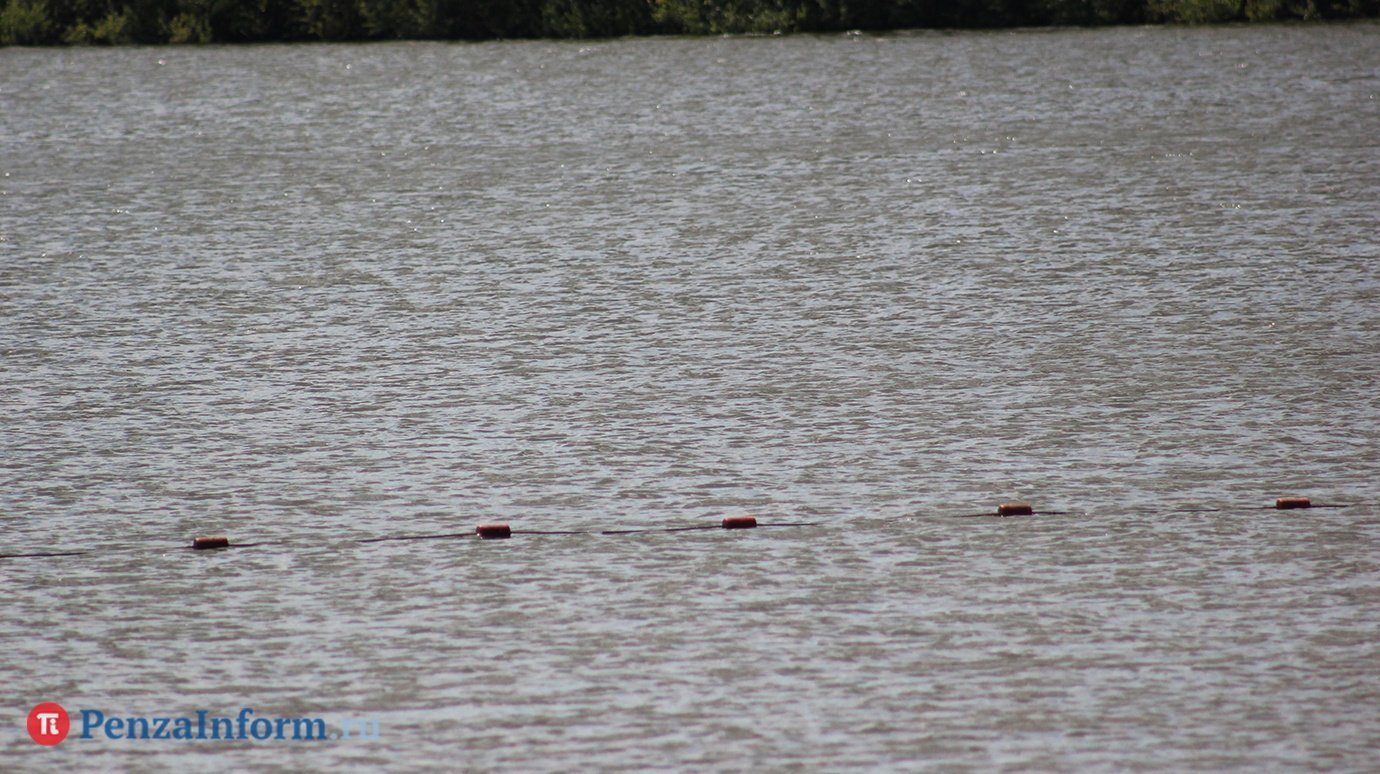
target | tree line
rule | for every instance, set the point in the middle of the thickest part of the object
(75, 22)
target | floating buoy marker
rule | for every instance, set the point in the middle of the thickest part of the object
(1289, 503)
(210, 541)
(1014, 509)
(493, 531)
(740, 522)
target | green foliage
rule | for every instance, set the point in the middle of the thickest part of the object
(1197, 11)
(1084, 12)
(85, 22)
(1311, 9)
(63, 15)
(238, 20)
(1265, 10)
(594, 18)
(332, 19)
(24, 23)
(708, 17)
(115, 28)
(389, 18)
(188, 28)
(411, 19)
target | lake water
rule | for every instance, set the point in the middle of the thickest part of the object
(311, 295)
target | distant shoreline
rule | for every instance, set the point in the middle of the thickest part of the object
(124, 22)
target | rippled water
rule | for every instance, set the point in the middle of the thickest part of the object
(315, 294)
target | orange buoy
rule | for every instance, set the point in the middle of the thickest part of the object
(740, 522)
(210, 541)
(1287, 503)
(496, 531)
(1014, 509)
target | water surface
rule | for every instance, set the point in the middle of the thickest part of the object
(308, 295)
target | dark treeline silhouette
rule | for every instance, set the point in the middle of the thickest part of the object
(49, 22)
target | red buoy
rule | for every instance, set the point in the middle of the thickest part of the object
(210, 541)
(740, 522)
(1288, 503)
(1014, 509)
(493, 531)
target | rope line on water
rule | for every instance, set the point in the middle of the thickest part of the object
(657, 529)
(1254, 508)
(1014, 509)
(501, 530)
(417, 537)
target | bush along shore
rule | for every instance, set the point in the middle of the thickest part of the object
(77, 22)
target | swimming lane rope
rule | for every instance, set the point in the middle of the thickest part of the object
(500, 530)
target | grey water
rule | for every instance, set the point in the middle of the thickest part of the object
(309, 295)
